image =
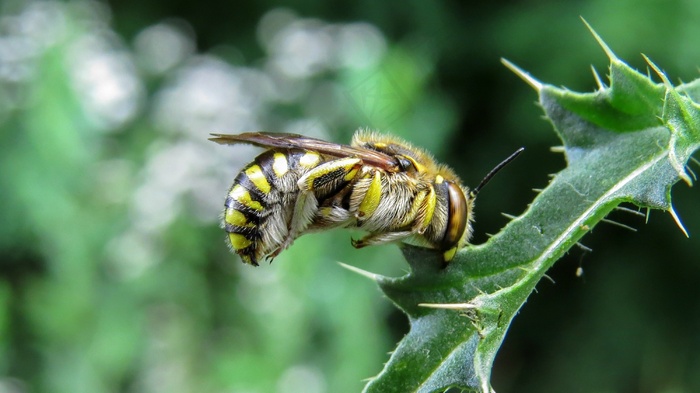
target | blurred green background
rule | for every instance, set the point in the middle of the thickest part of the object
(114, 274)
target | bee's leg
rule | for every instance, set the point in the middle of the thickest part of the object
(425, 213)
(319, 183)
(332, 217)
(304, 211)
(381, 238)
(330, 177)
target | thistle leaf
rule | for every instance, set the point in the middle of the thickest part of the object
(626, 142)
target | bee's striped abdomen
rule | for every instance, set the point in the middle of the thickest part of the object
(241, 222)
(255, 215)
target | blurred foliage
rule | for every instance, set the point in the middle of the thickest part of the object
(114, 275)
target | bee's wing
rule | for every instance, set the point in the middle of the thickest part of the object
(294, 141)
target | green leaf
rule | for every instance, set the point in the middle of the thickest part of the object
(628, 142)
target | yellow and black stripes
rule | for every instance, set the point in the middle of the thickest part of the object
(241, 222)
(248, 202)
(270, 180)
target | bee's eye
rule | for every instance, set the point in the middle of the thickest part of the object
(404, 163)
(456, 216)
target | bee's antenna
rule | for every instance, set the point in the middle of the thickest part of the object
(472, 193)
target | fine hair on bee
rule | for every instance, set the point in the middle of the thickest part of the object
(379, 183)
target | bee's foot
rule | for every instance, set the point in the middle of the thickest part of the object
(357, 243)
(273, 254)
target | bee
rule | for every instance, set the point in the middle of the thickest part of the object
(379, 183)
